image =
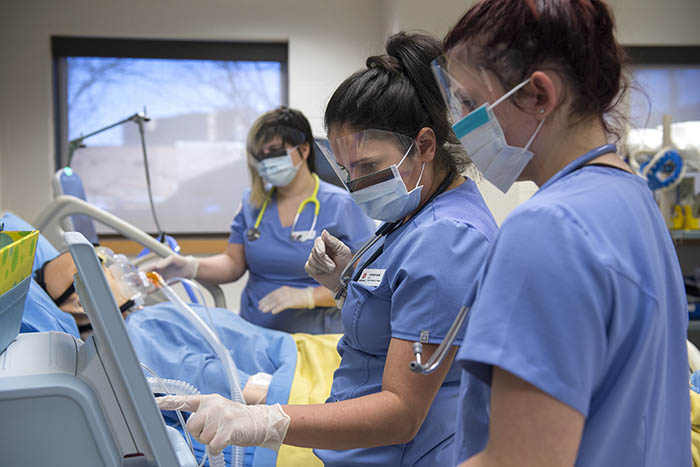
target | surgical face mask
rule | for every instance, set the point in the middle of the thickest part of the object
(389, 200)
(482, 138)
(279, 170)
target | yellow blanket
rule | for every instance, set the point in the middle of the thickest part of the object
(695, 423)
(317, 360)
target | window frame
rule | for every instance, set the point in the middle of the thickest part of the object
(63, 47)
(663, 55)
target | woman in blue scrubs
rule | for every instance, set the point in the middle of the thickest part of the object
(273, 231)
(575, 349)
(394, 150)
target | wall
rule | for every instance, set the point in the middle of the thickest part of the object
(328, 39)
(651, 22)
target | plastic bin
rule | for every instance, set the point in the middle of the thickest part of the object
(16, 258)
(11, 309)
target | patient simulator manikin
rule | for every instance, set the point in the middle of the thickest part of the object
(129, 287)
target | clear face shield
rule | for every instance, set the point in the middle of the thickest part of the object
(471, 92)
(370, 157)
(378, 168)
(465, 84)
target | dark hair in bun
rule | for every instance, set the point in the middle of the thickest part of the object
(398, 93)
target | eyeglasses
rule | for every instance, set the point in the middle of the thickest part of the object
(275, 152)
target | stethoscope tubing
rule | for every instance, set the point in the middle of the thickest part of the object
(440, 353)
(254, 232)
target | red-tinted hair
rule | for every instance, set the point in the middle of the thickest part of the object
(574, 37)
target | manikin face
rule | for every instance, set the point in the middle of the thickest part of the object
(58, 276)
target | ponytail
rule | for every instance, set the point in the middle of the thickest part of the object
(398, 93)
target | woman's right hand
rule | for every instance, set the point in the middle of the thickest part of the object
(175, 266)
(328, 258)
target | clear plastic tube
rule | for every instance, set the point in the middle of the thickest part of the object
(196, 287)
(221, 351)
(183, 388)
(172, 386)
(164, 389)
(212, 338)
(219, 461)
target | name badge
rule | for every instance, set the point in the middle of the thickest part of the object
(371, 277)
(303, 235)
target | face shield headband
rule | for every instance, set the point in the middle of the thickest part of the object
(476, 126)
(364, 162)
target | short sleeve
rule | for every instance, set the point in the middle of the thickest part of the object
(240, 225)
(541, 308)
(353, 227)
(436, 266)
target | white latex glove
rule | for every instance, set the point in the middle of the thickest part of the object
(218, 422)
(287, 297)
(328, 258)
(175, 266)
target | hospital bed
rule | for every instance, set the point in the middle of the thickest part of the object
(66, 182)
(52, 223)
(165, 341)
(71, 403)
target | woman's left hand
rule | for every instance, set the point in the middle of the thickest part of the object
(287, 297)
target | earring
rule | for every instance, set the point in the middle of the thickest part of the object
(541, 111)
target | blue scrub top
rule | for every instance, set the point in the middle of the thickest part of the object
(582, 297)
(427, 265)
(274, 260)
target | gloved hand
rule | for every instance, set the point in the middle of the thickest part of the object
(287, 297)
(175, 266)
(218, 422)
(328, 258)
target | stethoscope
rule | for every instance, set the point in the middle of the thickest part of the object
(383, 231)
(254, 232)
(443, 349)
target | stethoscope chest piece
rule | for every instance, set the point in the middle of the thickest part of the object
(253, 234)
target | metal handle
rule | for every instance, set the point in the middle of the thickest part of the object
(441, 352)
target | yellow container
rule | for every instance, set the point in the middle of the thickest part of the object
(691, 222)
(677, 220)
(16, 257)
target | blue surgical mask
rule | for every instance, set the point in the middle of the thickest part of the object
(482, 138)
(278, 171)
(389, 200)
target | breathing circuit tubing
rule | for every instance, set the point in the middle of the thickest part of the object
(214, 342)
(183, 388)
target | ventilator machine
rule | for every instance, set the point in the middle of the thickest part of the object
(65, 402)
